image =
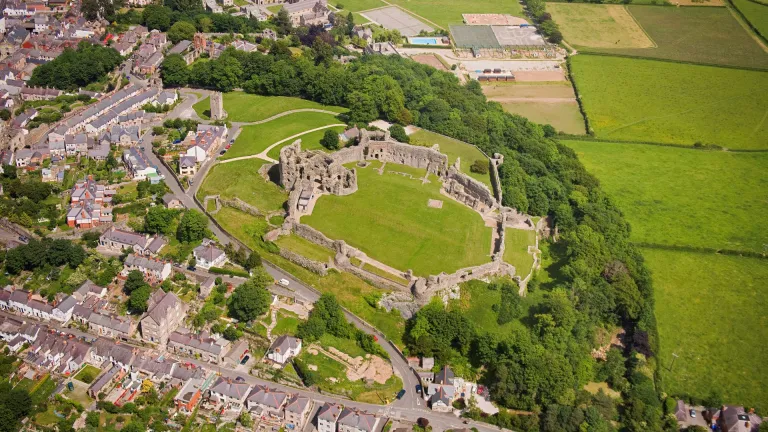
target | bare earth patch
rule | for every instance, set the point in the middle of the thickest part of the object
(539, 76)
(429, 60)
(433, 203)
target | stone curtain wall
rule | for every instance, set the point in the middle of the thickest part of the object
(311, 265)
(497, 160)
(468, 191)
(240, 205)
(299, 168)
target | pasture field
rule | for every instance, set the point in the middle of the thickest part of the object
(708, 35)
(756, 14)
(245, 107)
(249, 185)
(673, 103)
(304, 247)
(254, 139)
(677, 196)
(447, 12)
(710, 311)
(394, 224)
(349, 289)
(516, 242)
(552, 103)
(309, 141)
(454, 149)
(598, 25)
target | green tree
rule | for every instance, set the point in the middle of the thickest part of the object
(159, 220)
(330, 139)
(397, 132)
(283, 22)
(137, 302)
(249, 301)
(156, 17)
(192, 227)
(362, 107)
(5, 115)
(246, 420)
(253, 261)
(181, 30)
(134, 281)
(174, 72)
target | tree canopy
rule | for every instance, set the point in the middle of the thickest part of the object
(251, 299)
(192, 227)
(76, 68)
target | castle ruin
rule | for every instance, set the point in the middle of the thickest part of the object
(217, 106)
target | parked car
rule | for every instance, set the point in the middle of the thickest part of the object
(401, 393)
(693, 413)
(283, 282)
(222, 152)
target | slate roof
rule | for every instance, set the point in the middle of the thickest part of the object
(263, 395)
(209, 252)
(159, 312)
(329, 412)
(360, 420)
(230, 388)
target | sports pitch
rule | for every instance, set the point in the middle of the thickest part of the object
(389, 219)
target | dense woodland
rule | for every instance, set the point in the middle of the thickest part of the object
(601, 280)
(76, 68)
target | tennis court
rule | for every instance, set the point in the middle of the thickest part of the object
(517, 36)
(394, 18)
(474, 36)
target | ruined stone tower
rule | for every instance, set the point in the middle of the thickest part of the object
(217, 106)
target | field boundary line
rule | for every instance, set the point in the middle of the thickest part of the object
(587, 128)
(655, 143)
(753, 31)
(702, 250)
(587, 51)
(640, 26)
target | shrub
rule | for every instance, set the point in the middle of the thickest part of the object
(479, 167)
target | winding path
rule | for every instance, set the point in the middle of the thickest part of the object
(263, 154)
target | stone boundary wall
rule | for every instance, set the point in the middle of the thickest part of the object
(425, 288)
(315, 236)
(311, 265)
(348, 155)
(468, 191)
(375, 279)
(241, 205)
(497, 160)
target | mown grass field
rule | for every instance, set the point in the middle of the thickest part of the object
(256, 138)
(393, 224)
(756, 14)
(677, 196)
(349, 289)
(241, 179)
(454, 149)
(673, 103)
(516, 244)
(552, 103)
(598, 25)
(357, 5)
(708, 35)
(710, 311)
(245, 107)
(310, 141)
(447, 12)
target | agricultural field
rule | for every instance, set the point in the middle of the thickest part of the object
(245, 107)
(350, 290)
(309, 141)
(249, 187)
(710, 311)
(516, 244)
(395, 225)
(447, 12)
(756, 14)
(255, 139)
(598, 25)
(677, 196)
(454, 149)
(709, 35)
(552, 103)
(645, 100)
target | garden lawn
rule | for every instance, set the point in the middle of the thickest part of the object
(245, 107)
(287, 323)
(645, 100)
(677, 196)
(756, 14)
(241, 179)
(708, 35)
(447, 12)
(454, 149)
(304, 247)
(516, 242)
(347, 346)
(309, 141)
(87, 374)
(349, 289)
(598, 25)
(710, 311)
(393, 224)
(254, 139)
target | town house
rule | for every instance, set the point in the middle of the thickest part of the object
(154, 270)
(166, 311)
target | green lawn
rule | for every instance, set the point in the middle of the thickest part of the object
(244, 107)
(309, 141)
(696, 34)
(516, 242)
(255, 139)
(357, 5)
(287, 323)
(349, 289)
(447, 12)
(416, 173)
(275, 8)
(676, 196)
(710, 311)
(673, 103)
(87, 374)
(386, 275)
(249, 187)
(393, 224)
(305, 248)
(454, 149)
(347, 346)
(756, 14)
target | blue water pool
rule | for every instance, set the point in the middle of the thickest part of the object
(424, 41)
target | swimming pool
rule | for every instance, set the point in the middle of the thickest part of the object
(424, 41)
